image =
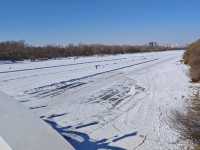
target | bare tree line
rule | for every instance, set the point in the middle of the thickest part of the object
(19, 50)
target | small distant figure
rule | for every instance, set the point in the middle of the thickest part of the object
(97, 66)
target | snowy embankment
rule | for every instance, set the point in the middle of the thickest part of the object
(22, 130)
(111, 102)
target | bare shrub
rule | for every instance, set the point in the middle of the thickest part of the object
(188, 123)
(192, 58)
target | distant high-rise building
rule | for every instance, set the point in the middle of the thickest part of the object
(153, 44)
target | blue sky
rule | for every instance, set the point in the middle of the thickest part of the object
(100, 21)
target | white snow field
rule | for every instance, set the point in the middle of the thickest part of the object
(112, 102)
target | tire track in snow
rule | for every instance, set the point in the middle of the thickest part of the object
(71, 81)
(112, 70)
(57, 66)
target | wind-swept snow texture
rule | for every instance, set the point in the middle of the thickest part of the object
(112, 102)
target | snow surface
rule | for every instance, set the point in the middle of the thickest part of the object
(109, 102)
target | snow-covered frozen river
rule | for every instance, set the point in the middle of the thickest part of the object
(110, 102)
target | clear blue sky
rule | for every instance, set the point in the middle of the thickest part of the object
(100, 21)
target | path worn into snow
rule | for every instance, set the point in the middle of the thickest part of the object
(119, 105)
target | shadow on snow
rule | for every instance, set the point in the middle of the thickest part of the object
(82, 141)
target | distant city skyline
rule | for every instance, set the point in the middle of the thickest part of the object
(100, 21)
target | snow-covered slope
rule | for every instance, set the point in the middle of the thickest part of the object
(111, 102)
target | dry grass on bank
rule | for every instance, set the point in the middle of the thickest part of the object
(192, 58)
(188, 123)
